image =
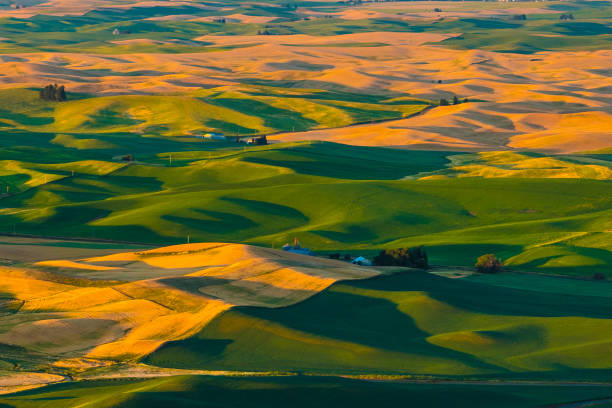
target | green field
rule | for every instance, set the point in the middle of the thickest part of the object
(333, 197)
(415, 324)
(192, 391)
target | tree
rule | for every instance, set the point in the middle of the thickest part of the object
(48, 93)
(455, 100)
(599, 276)
(489, 263)
(443, 102)
(60, 94)
(414, 257)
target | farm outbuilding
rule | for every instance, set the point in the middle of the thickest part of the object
(360, 260)
(296, 248)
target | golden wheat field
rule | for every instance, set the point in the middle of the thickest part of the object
(140, 300)
(552, 101)
(403, 64)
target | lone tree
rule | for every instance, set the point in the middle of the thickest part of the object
(414, 257)
(489, 263)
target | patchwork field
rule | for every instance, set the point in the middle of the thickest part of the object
(186, 68)
(73, 315)
(226, 309)
(140, 236)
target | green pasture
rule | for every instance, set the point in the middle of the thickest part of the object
(333, 197)
(414, 323)
(202, 391)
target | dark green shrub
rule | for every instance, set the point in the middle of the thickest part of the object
(489, 263)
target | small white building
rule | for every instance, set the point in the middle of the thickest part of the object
(360, 260)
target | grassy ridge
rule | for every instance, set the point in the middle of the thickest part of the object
(334, 197)
(254, 110)
(190, 391)
(414, 323)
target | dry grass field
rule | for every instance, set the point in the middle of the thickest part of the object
(77, 314)
(553, 101)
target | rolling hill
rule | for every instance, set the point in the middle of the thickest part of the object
(541, 213)
(413, 323)
(185, 312)
(140, 256)
(538, 83)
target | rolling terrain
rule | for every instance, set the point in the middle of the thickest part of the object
(431, 326)
(72, 315)
(183, 313)
(141, 235)
(185, 68)
(540, 213)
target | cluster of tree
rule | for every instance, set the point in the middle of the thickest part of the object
(565, 17)
(456, 101)
(414, 257)
(519, 17)
(438, 10)
(489, 263)
(599, 276)
(346, 257)
(53, 93)
(280, 28)
(290, 6)
(219, 20)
